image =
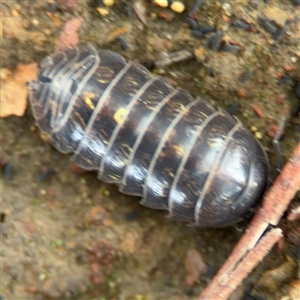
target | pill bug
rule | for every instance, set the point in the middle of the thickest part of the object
(178, 153)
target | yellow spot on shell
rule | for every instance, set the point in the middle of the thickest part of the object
(171, 174)
(179, 149)
(120, 114)
(88, 100)
(215, 142)
(181, 107)
(125, 146)
(104, 81)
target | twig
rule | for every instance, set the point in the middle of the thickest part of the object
(170, 58)
(252, 247)
(276, 144)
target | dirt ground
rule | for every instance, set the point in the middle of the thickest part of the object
(66, 235)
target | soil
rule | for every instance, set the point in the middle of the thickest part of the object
(66, 235)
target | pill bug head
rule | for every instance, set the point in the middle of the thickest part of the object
(37, 91)
(57, 80)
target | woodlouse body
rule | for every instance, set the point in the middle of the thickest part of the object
(176, 152)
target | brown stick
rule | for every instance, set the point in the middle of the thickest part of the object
(242, 261)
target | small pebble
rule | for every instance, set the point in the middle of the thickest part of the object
(168, 16)
(298, 90)
(197, 4)
(2, 217)
(194, 24)
(128, 10)
(209, 71)
(162, 3)
(245, 76)
(241, 93)
(268, 25)
(225, 27)
(284, 79)
(233, 108)
(102, 11)
(208, 275)
(178, 7)
(206, 29)
(53, 7)
(227, 9)
(42, 277)
(76, 169)
(241, 25)
(106, 193)
(199, 54)
(131, 215)
(8, 170)
(258, 110)
(108, 2)
(258, 135)
(293, 59)
(197, 33)
(296, 2)
(279, 33)
(280, 98)
(14, 13)
(98, 215)
(46, 174)
(31, 290)
(231, 48)
(225, 18)
(216, 41)
(253, 128)
(272, 130)
(47, 31)
(189, 291)
(35, 22)
(124, 43)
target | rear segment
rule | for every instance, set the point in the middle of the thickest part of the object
(176, 152)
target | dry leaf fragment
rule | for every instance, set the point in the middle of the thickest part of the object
(195, 267)
(14, 92)
(69, 35)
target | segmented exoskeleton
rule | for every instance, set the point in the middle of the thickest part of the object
(176, 152)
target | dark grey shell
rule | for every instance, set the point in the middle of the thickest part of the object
(176, 152)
